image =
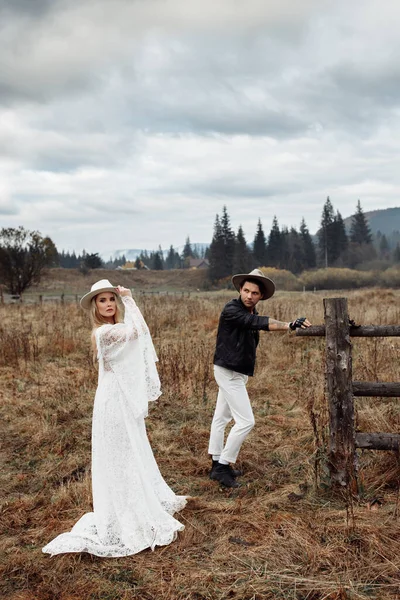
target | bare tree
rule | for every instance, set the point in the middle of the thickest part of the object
(23, 257)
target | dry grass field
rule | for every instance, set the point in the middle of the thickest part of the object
(282, 535)
(71, 281)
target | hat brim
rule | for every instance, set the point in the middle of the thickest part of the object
(87, 298)
(267, 285)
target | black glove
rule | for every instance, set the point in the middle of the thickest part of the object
(297, 323)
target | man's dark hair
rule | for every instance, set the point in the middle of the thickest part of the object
(257, 283)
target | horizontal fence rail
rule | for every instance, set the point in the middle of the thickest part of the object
(68, 298)
(376, 388)
(378, 441)
(362, 331)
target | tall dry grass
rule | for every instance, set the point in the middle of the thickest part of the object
(282, 535)
(72, 281)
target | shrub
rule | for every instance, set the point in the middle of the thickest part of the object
(284, 280)
(390, 277)
(335, 279)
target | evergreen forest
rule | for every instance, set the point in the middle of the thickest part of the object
(338, 243)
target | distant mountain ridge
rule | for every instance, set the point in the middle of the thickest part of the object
(385, 220)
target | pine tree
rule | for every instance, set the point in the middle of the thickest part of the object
(274, 247)
(284, 254)
(75, 260)
(161, 255)
(67, 260)
(216, 254)
(360, 232)
(260, 247)
(172, 260)
(396, 253)
(308, 248)
(93, 261)
(326, 239)
(222, 249)
(340, 239)
(187, 251)
(229, 242)
(384, 248)
(169, 259)
(361, 248)
(146, 259)
(242, 257)
(295, 251)
(157, 260)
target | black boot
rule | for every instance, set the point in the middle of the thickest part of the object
(235, 472)
(223, 474)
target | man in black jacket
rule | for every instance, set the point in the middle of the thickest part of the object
(234, 361)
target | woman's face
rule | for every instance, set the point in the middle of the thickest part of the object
(106, 305)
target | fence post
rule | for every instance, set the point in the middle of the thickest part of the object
(62, 298)
(340, 392)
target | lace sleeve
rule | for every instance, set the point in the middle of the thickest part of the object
(133, 317)
(127, 350)
(112, 339)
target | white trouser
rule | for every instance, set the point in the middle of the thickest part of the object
(232, 403)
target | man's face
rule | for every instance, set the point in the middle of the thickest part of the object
(250, 294)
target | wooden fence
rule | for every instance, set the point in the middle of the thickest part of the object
(341, 389)
(65, 298)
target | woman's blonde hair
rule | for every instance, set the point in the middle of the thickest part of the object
(97, 320)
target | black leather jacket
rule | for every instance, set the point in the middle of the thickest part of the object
(238, 337)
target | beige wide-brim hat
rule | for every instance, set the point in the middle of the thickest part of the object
(267, 286)
(100, 286)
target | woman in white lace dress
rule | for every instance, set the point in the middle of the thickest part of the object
(132, 504)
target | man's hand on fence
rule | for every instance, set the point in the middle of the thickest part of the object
(352, 323)
(300, 323)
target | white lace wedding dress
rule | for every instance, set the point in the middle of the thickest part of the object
(132, 504)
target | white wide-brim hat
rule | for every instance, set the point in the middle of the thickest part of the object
(267, 286)
(100, 286)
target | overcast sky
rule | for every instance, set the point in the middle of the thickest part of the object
(130, 123)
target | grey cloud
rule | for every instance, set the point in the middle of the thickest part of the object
(235, 187)
(85, 211)
(267, 107)
(32, 8)
(47, 147)
(380, 88)
(232, 189)
(228, 81)
(124, 206)
(218, 117)
(80, 45)
(78, 154)
(7, 209)
(64, 160)
(329, 101)
(36, 88)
